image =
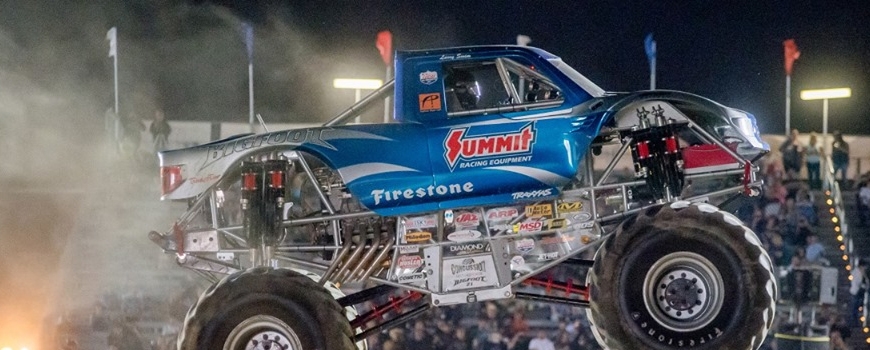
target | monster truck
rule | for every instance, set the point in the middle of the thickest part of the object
(503, 170)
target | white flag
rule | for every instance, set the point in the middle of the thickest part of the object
(523, 40)
(112, 37)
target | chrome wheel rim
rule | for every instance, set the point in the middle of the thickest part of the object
(262, 332)
(683, 291)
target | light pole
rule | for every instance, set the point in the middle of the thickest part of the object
(357, 85)
(825, 95)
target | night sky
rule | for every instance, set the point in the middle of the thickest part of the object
(189, 57)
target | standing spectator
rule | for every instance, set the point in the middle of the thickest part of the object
(857, 289)
(864, 202)
(541, 342)
(494, 341)
(840, 157)
(160, 131)
(814, 161)
(133, 128)
(792, 152)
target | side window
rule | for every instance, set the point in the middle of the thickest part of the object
(496, 86)
(471, 87)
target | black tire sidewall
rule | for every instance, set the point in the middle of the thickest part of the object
(646, 252)
(215, 334)
(306, 307)
(616, 279)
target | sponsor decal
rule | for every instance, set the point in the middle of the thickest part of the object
(206, 178)
(464, 273)
(448, 216)
(409, 261)
(517, 261)
(501, 214)
(529, 226)
(539, 210)
(412, 277)
(554, 224)
(417, 237)
(557, 239)
(569, 207)
(525, 245)
(532, 194)
(430, 102)
(380, 195)
(459, 147)
(292, 137)
(467, 249)
(419, 222)
(581, 217)
(584, 225)
(409, 249)
(548, 256)
(467, 219)
(454, 56)
(464, 235)
(428, 77)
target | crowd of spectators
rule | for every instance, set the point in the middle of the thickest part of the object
(512, 324)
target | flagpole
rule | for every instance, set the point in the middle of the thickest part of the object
(387, 99)
(787, 103)
(251, 94)
(652, 74)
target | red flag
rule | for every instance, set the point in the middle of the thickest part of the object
(385, 46)
(791, 53)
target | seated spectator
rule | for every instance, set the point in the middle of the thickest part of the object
(541, 342)
(806, 207)
(815, 251)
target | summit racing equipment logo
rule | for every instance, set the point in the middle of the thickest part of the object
(459, 147)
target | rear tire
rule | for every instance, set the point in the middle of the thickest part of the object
(681, 276)
(262, 306)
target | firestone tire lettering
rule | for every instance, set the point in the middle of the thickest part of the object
(622, 320)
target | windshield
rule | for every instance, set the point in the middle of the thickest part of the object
(578, 78)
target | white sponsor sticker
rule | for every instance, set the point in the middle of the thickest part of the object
(464, 235)
(525, 245)
(409, 249)
(412, 277)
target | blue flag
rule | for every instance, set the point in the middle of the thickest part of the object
(248, 33)
(650, 46)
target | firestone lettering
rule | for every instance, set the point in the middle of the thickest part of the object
(421, 192)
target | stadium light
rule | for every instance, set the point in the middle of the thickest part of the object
(825, 95)
(357, 85)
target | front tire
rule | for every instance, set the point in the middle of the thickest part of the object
(681, 276)
(264, 306)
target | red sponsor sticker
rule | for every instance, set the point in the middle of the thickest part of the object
(409, 262)
(459, 146)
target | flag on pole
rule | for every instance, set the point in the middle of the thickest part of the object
(248, 33)
(523, 40)
(649, 45)
(791, 53)
(384, 44)
(112, 37)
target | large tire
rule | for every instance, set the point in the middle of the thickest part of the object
(265, 302)
(681, 276)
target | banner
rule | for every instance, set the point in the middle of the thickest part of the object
(791, 53)
(112, 37)
(384, 44)
(649, 45)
